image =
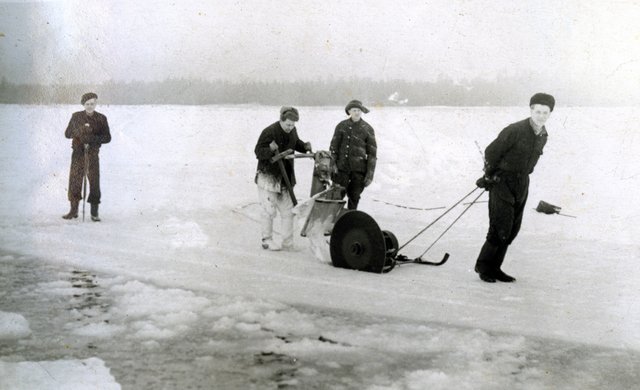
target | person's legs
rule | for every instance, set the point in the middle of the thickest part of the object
(501, 216)
(498, 273)
(76, 176)
(285, 207)
(268, 213)
(93, 174)
(354, 190)
(518, 212)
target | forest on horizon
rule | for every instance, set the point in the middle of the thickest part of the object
(505, 91)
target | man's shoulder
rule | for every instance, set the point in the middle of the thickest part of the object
(359, 124)
(272, 127)
(518, 127)
(344, 123)
(521, 124)
(366, 125)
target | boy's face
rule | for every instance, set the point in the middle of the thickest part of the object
(355, 113)
(539, 114)
(287, 125)
(90, 105)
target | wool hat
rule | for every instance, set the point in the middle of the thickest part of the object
(288, 112)
(355, 104)
(88, 96)
(544, 99)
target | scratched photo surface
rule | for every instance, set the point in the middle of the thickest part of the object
(172, 288)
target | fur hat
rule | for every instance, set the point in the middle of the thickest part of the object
(355, 104)
(288, 112)
(88, 96)
(544, 99)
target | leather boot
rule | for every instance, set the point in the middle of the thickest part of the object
(486, 259)
(73, 212)
(486, 264)
(94, 212)
(498, 273)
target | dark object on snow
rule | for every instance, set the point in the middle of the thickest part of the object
(358, 243)
(547, 208)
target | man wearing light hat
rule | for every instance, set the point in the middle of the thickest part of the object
(354, 150)
(509, 160)
(273, 194)
(89, 129)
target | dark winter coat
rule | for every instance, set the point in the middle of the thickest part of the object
(512, 157)
(516, 150)
(353, 147)
(285, 141)
(95, 134)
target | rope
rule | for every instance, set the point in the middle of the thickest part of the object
(408, 207)
(452, 223)
(442, 215)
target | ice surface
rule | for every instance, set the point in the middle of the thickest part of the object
(88, 374)
(13, 326)
(152, 336)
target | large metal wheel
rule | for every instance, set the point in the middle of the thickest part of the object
(358, 243)
(390, 243)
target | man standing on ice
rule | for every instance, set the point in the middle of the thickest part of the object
(89, 129)
(272, 191)
(509, 160)
(354, 150)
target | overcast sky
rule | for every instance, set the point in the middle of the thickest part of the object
(588, 41)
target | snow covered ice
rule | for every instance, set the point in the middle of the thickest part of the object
(181, 278)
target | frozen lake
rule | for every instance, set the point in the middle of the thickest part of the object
(153, 337)
(172, 288)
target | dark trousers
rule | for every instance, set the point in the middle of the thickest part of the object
(353, 182)
(507, 200)
(76, 174)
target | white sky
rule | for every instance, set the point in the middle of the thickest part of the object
(590, 41)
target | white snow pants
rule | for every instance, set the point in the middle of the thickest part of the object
(272, 202)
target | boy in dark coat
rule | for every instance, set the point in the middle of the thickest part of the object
(354, 150)
(89, 129)
(510, 159)
(272, 191)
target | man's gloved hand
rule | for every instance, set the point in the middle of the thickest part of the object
(307, 147)
(487, 182)
(273, 146)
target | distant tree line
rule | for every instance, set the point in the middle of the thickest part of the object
(442, 92)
